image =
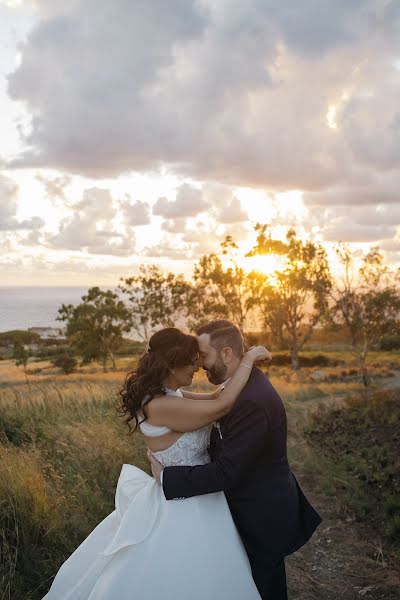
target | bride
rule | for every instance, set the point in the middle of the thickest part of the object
(149, 547)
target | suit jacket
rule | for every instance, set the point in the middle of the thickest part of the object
(250, 465)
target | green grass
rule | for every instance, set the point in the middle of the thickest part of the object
(354, 450)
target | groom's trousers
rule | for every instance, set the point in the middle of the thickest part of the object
(270, 579)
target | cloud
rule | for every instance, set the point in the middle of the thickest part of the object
(358, 223)
(8, 209)
(136, 214)
(277, 95)
(178, 225)
(232, 212)
(228, 91)
(54, 187)
(345, 230)
(166, 249)
(90, 227)
(189, 202)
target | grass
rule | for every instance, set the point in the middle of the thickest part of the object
(357, 449)
(62, 448)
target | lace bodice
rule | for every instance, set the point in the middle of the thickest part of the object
(189, 449)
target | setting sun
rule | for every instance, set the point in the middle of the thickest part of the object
(266, 264)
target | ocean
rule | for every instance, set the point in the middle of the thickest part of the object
(23, 307)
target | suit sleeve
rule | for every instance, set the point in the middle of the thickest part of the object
(245, 440)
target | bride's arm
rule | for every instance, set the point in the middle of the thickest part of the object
(180, 415)
(203, 395)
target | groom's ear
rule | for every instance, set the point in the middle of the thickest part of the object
(227, 355)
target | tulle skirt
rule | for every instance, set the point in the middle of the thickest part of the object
(150, 548)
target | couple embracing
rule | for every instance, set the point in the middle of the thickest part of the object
(223, 509)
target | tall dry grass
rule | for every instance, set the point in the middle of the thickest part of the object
(61, 452)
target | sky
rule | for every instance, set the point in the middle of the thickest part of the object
(137, 132)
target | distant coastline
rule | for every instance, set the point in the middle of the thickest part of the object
(22, 307)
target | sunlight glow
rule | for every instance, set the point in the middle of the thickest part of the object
(265, 264)
(290, 206)
(334, 109)
(257, 203)
(331, 117)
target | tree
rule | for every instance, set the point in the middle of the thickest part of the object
(156, 299)
(9, 338)
(95, 327)
(295, 299)
(367, 302)
(21, 358)
(221, 291)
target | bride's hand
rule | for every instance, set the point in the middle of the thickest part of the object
(256, 353)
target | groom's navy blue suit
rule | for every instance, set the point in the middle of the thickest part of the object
(250, 465)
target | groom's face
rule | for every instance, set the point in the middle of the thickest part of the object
(211, 360)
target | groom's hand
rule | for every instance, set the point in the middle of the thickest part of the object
(156, 467)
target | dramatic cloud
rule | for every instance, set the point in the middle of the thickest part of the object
(217, 89)
(223, 98)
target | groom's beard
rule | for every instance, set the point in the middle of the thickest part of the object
(217, 373)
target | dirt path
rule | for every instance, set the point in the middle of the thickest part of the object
(343, 561)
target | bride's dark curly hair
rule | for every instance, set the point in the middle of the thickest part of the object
(168, 348)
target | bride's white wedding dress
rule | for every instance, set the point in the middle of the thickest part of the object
(150, 548)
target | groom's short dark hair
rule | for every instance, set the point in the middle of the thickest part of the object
(223, 334)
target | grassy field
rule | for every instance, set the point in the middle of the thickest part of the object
(62, 447)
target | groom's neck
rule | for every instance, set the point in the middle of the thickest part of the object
(233, 365)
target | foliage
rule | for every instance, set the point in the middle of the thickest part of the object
(297, 299)
(362, 442)
(390, 342)
(9, 338)
(130, 347)
(315, 360)
(65, 361)
(51, 351)
(221, 291)
(95, 327)
(21, 356)
(367, 303)
(155, 299)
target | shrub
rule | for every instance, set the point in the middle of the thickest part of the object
(317, 360)
(390, 342)
(361, 440)
(66, 362)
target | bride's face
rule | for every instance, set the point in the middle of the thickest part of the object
(184, 375)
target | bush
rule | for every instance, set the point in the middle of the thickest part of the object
(130, 347)
(50, 352)
(361, 441)
(66, 362)
(317, 360)
(390, 342)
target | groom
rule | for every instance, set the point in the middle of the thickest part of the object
(249, 463)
